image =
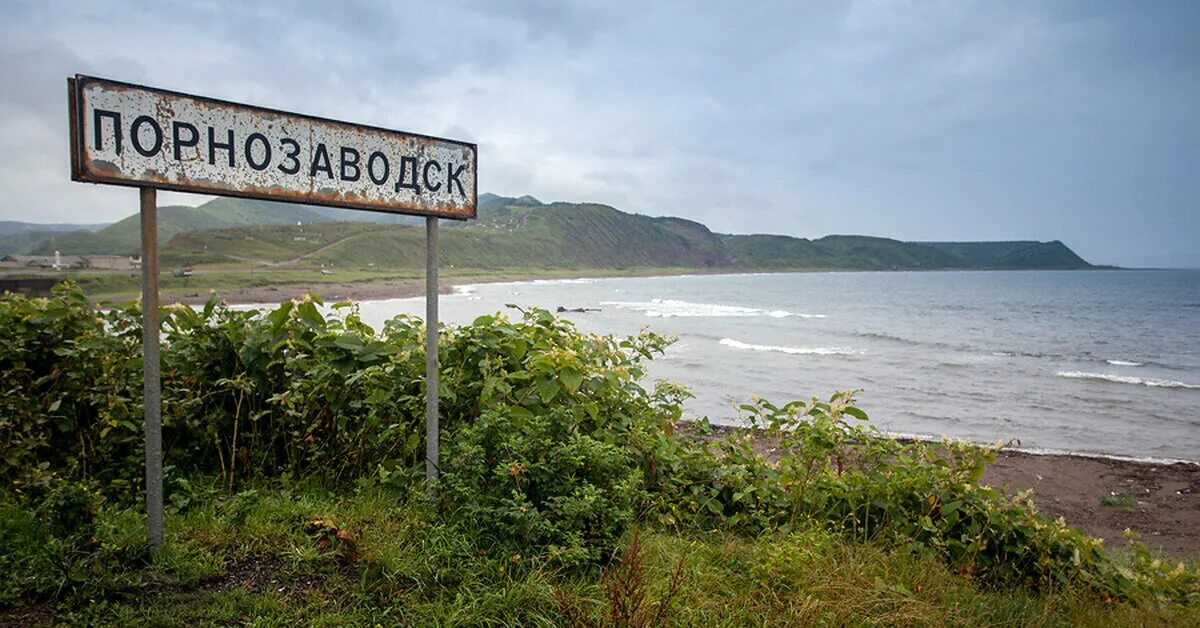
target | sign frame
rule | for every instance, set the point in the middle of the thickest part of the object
(82, 170)
(148, 209)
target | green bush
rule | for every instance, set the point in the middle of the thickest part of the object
(531, 482)
(558, 413)
(549, 433)
(917, 494)
(70, 381)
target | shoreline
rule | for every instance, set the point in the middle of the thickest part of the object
(402, 288)
(406, 286)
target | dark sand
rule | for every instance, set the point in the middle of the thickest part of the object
(1166, 510)
(329, 292)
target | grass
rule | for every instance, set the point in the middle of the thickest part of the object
(315, 555)
(1119, 500)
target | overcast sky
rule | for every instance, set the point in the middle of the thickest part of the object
(919, 121)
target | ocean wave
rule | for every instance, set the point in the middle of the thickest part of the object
(669, 308)
(1037, 451)
(900, 340)
(578, 280)
(737, 344)
(1056, 356)
(1126, 379)
(1025, 354)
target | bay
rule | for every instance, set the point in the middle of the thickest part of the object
(1101, 362)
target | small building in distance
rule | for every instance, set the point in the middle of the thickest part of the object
(62, 262)
(112, 262)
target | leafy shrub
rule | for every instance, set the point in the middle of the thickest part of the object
(67, 374)
(531, 482)
(244, 393)
(557, 413)
(544, 453)
(917, 494)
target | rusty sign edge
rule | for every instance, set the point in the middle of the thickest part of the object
(81, 172)
(73, 122)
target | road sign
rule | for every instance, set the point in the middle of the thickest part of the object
(123, 134)
(127, 134)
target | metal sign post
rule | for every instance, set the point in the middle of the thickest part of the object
(154, 139)
(431, 354)
(151, 373)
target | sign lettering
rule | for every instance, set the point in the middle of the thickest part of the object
(130, 135)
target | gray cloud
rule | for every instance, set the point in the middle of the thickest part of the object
(963, 120)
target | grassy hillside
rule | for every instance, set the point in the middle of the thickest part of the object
(21, 238)
(833, 252)
(519, 233)
(123, 237)
(11, 227)
(21, 243)
(591, 235)
(1019, 254)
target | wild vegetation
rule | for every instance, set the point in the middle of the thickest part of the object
(569, 492)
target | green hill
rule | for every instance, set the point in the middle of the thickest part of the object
(12, 227)
(515, 233)
(561, 235)
(838, 252)
(23, 242)
(588, 235)
(21, 238)
(1018, 254)
(124, 237)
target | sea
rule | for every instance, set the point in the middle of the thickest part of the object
(1099, 362)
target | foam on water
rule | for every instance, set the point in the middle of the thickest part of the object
(737, 344)
(551, 282)
(1127, 379)
(669, 308)
(1125, 363)
(1039, 451)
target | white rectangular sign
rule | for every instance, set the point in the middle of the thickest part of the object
(138, 136)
